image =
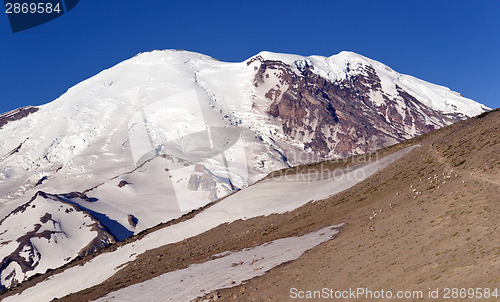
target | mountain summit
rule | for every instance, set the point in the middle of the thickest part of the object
(167, 132)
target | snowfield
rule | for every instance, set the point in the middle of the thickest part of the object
(264, 198)
(68, 227)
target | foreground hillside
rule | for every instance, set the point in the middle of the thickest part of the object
(436, 225)
(443, 235)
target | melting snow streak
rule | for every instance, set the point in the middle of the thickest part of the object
(231, 270)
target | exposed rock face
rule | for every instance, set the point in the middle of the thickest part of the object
(122, 184)
(204, 182)
(132, 220)
(16, 115)
(344, 116)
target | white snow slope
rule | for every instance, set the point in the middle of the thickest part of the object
(264, 198)
(161, 134)
(61, 224)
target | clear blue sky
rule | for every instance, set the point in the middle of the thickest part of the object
(451, 43)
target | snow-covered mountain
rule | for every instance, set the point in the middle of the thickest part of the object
(166, 132)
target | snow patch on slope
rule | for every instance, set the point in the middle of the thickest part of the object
(229, 271)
